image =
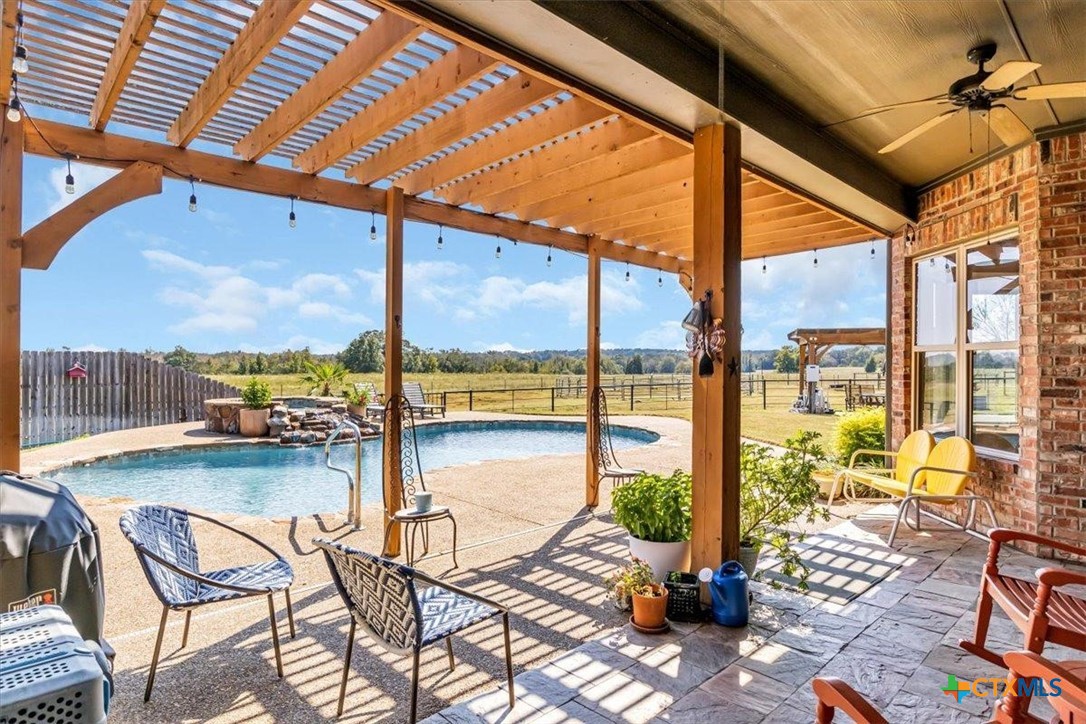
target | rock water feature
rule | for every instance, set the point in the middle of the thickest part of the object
(295, 421)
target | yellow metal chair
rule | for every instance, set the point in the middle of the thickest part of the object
(912, 454)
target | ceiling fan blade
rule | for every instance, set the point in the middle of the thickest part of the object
(1006, 124)
(1008, 74)
(918, 131)
(933, 101)
(1052, 90)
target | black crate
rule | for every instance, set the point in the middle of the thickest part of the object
(683, 597)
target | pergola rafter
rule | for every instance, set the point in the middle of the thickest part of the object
(138, 24)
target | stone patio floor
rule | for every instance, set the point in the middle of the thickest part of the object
(896, 643)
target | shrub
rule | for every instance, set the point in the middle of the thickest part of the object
(256, 394)
(655, 508)
(865, 428)
(356, 396)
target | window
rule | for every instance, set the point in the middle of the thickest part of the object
(966, 342)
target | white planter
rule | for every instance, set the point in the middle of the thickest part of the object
(661, 557)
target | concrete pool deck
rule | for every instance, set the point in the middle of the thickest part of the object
(525, 539)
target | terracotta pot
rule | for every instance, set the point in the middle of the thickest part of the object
(253, 423)
(650, 612)
(356, 410)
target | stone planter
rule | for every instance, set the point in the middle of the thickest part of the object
(748, 558)
(661, 557)
(357, 410)
(828, 484)
(253, 423)
(650, 612)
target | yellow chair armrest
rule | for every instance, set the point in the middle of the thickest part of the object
(867, 451)
(931, 468)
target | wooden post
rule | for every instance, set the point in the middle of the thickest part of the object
(11, 263)
(592, 378)
(717, 258)
(393, 354)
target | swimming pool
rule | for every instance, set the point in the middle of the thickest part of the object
(273, 481)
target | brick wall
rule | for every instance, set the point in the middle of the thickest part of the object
(1040, 191)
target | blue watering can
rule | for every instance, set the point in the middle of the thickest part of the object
(728, 589)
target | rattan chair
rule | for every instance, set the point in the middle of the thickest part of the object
(402, 462)
(382, 597)
(166, 549)
(609, 467)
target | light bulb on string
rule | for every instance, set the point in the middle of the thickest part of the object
(293, 218)
(659, 277)
(69, 180)
(440, 239)
(549, 256)
(872, 249)
(14, 113)
(816, 258)
(19, 64)
(627, 272)
(192, 196)
(373, 227)
(764, 268)
(498, 252)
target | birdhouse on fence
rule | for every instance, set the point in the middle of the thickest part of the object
(77, 371)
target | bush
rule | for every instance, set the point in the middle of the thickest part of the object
(655, 508)
(864, 428)
(256, 394)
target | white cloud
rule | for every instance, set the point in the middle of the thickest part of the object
(86, 178)
(665, 335)
(89, 348)
(434, 282)
(499, 347)
(608, 345)
(324, 310)
(312, 284)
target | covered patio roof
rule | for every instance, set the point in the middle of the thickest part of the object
(478, 137)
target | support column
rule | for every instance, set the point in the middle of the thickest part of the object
(889, 347)
(592, 378)
(393, 356)
(717, 259)
(11, 262)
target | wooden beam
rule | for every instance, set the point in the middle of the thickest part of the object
(42, 243)
(684, 207)
(504, 100)
(394, 215)
(650, 199)
(785, 243)
(379, 43)
(600, 139)
(554, 123)
(677, 170)
(802, 217)
(7, 48)
(458, 68)
(137, 27)
(263, 31)
(11, 262)
(715, 455)
(803, 230)
(641, 229)
(588, 174)
(592, 379)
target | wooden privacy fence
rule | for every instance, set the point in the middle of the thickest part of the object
(121, 390)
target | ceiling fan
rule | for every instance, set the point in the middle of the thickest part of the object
(983, 92)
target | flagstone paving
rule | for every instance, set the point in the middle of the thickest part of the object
(896, 643)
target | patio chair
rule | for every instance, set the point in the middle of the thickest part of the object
(374, 408)
(382, 597)
(414, 394)
(1070, 704)
(1040, 609)
(166, 549)
(833, 694)
(404, 463)
(911, 455)
(609, 467)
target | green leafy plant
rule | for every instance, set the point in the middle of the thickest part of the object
(324, 376)
(655, 508)
(776, 491)
(256, 394)
(863, 428)
(356, 396)
(634, 577)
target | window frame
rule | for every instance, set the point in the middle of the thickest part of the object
(962, 348)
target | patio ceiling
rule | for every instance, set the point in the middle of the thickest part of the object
(380, 96)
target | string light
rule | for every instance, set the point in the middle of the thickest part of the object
(14, 115)
(763, 265)
(498, 251)
(19, 63)
(373, 227)
(548, 256)
(872, 249)
(69, 180)
(659, 277)
(440, 239)
(293, 218)
(816, 257)
(627, 272)
(192, 196)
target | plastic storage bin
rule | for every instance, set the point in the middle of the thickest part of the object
(47, 671)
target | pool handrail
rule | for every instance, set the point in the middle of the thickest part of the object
(354, 483)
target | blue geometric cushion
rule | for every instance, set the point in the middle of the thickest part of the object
(444, 613)
(271, 576)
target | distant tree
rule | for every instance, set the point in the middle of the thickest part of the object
(635, 366)
(181, 357)
(870, 366)
(787, 359)
(259, 365)
(366, 352)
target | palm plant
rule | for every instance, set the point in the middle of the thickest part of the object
(324, 376)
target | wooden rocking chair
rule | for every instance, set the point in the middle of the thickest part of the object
(1070, 703)
(1038, 608)
(833, 694)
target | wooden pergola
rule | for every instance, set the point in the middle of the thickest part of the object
(373, 107)
(815, 342)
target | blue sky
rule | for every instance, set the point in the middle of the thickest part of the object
(233, 275)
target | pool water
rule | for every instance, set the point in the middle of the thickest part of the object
(273, 481)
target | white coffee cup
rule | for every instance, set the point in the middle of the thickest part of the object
(424, 501)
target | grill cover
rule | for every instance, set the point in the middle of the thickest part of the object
(50, 553)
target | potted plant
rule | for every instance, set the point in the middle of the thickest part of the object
(828, 482)
(655, 511)
(357, 399)
(257, 397)
(635, 584)
(776, 491)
